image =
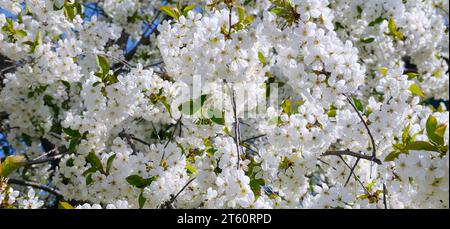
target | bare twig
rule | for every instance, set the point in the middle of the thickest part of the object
(150, 26)
(52, 155)
(170, 138)
(353, 154)
(326, 163)
(130, 142)
(140, 141)
(384, 196)
(374, 151)
(36, 185)
(352, 171)
(356, 177)
(237, 134)
(169, 204)
(254, 138)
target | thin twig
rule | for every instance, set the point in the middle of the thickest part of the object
(150, 26)
(44, 160)
(170, 138)
(169, 204)
(140, 140)
(326, 163)
(365, 125)
(36, 185)
(353, 154)
(356, 177)
(237, 133)
(384, 196)
(352, 171)
(254, 138)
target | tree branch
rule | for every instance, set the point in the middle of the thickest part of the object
(237, 134)
(36, 185)
(353, 154)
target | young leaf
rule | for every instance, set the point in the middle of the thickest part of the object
(383, 71)
(422, 145)
(64, 205)
(191, 107)
(431, 125)
(190, 168)
(392, 156)
(262, 59)
(141, 200)
(241, 12)
(110, 162)
(415, 89)
(172, 12)
(10, 164)
(367, 40)
(358, 104)
(286, 106)
(139, 182)
(103, 64)
(95, 161)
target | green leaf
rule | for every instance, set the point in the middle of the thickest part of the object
(422, 145)
(21, 33)
(241, 12)
(415, 89)
(431, 125)
(139, 182)
(27, 139)
(103, 64)
(391, 25)
(438, 135)
(10, 164)
(412, 75)
(377, 21)
(383, 71)
(89, 179)
(367, 40)
(332, 113)
(141, 200)
(440, 130)
(219, 120)
(191, 107)
(72, 133)
(262, 59)
(358, 104)
(190, 168)
(393, 30)
(95, 161)
(109, 163)
(170, 11)
(392, 156)
(286, 106)
(64, 205)
(187, 9)
(405, 135)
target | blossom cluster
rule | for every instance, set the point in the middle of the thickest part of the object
(296, 104)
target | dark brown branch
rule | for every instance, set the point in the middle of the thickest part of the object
(140, 141)
(254, 138)
(356, 177)
(384, 196)
(365, 125)
(237, 134)
(352, 171)
(131, 53)
(56, 154)
(171, 138)
(169, 204)
(36, 185)
(353, 154)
